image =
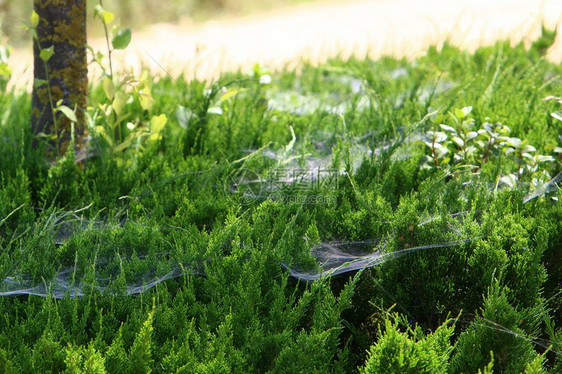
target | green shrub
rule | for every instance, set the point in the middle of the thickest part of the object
(410, 352)
(80, 360)
(48, 356)
(504, 329)
(62, 185)
(183, 269)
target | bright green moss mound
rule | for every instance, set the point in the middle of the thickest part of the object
(182, 238)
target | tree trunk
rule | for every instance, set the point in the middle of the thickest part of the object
(62, 25)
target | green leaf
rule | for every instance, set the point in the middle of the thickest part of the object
(39, 82)
(126, 143)
(34, 19)
(5, 71)
(122, 118)
(509, 150)
(439, 137)
(184, 116)
(122, 39)
(109, 88)
(107, 17)
(228, 94)
(4, 54)
(47, 136)
(510, 180)
(99, 56)
(101, 130)
(514, 142)
(471, 135)
(215, 110)
(47, 53)
(448, 128)
(462, 113)
(119, 102)
(557, 115)
(69, 113)
(145, 99)
(458, 141)
(98, 10)
(543, 158)
(157, 123)
(440, 118)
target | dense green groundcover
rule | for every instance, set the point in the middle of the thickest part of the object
(176, 244)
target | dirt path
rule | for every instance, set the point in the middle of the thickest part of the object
(317, 31)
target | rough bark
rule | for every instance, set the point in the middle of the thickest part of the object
(62, 24)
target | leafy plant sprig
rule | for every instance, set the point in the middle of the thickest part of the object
(5, 71)
(120, 40)
(110, 119)
(462, 143)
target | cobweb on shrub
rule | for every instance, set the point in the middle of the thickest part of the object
(333, 258)
(552, 185)
(63, 285)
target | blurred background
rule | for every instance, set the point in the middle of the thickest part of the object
(139, 13)
(202, 38)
